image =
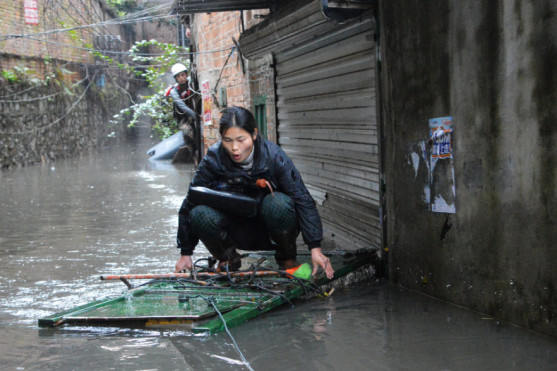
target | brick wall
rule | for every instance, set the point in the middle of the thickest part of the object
(61, 46)
(212, 34)
(40, 121)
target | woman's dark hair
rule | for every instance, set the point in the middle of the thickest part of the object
(237, 116)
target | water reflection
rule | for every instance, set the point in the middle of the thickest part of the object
(65, 224)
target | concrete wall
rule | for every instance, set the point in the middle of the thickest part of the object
(492, 67)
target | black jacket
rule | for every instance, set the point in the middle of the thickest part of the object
(218, 171)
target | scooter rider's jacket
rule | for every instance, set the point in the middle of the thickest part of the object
(178, 95)
(217, 171)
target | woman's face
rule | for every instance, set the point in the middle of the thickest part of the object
(238, 143)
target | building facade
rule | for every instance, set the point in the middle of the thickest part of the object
(56, 97)
(425, 130)
(218, 64)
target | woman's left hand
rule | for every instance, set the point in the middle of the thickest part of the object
(183, 263)
(318, 259)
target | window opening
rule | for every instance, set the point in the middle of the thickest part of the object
(260, 110)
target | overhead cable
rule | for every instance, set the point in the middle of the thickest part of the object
(124, 53)
(130, 18)
(57, 120)
(42, 96)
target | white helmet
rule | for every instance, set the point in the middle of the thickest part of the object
(177, 68)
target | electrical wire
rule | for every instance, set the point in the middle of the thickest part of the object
(42, 96)
(114, 81)
(211, 298)
(222, 69)
(21, 91)
(124, 53)
(56, 121)
(130, 18)
(211, 301)
(140, 16)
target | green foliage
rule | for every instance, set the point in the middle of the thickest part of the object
(158, 108)
(153, 67)
(25, 76)
(10, 76)
(20, 74)
(122, 7)
(156, 66)
(71, 33)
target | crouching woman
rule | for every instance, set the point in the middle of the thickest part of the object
(245, 164)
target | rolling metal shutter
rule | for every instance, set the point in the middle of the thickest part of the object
(327, 124)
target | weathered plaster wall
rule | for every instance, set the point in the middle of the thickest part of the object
(491, 66)
(39, 124)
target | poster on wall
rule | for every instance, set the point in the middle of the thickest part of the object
(207, 103)
(31, 12)
(441, 167)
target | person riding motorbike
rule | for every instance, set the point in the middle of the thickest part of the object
(185, 115)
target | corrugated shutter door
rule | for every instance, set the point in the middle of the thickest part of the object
(328, 126)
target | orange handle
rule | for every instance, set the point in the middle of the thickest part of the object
(262, 183)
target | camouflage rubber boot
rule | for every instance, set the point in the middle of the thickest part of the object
(286, 249)
(223, 248)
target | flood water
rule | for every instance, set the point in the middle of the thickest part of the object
(64, 224)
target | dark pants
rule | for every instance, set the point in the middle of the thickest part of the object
(189, 129)
(274, 228)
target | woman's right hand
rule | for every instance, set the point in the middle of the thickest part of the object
(184, 263)
(318, 259)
